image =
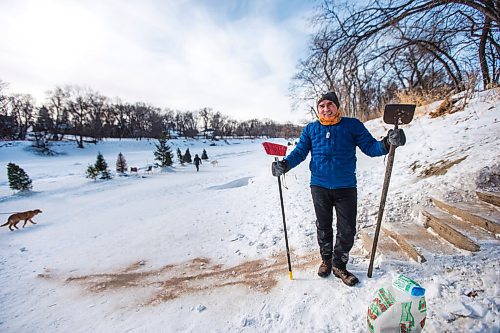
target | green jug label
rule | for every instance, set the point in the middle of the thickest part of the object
(407, 322)
(422, 306)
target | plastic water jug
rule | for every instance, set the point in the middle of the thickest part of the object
(399, 307)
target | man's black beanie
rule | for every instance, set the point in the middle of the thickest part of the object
(331, 96)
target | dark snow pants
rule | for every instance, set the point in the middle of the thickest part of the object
(345, 203)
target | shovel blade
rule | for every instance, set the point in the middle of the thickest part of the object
(399, 113)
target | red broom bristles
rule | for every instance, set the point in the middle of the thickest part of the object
(274, 149)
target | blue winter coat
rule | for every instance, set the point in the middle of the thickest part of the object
(333, 151)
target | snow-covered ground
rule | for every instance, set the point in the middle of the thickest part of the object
(181, 251)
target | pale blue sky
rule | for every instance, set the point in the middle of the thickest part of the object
(234, 56)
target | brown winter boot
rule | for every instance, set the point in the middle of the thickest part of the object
(325, 268)
(346, 276)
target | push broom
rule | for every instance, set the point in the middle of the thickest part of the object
(277, 150)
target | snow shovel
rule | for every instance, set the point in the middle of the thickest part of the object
(280, 150)
(396, 114)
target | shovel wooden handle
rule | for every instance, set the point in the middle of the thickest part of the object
(385, 188)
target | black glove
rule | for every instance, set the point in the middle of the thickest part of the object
(280, 168)
(395, 137)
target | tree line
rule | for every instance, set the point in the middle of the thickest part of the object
(377, 51)
(85, 113)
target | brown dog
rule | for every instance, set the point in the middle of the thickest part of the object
(17, 217)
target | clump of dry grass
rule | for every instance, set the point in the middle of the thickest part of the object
(419, 97)
(446, 107)
(438, 168)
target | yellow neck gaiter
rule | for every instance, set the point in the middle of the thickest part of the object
(331, 120)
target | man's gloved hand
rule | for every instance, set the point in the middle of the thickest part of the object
(395, 137)
(279, 168)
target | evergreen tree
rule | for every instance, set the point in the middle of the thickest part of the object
(187, 156)
(121, 163)
(100, 163)
(204, 155)
(92, 172)
(179, 156)
(100, 167)
(163, 154)
(18, 178)
(41, 129)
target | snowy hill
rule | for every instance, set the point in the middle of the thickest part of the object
(182, 251)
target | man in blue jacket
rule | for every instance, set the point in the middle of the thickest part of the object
(332, 141)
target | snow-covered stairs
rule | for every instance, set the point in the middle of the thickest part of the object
(489, 197)
(447, 228)
(482, 215)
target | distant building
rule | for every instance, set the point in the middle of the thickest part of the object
(205, 134)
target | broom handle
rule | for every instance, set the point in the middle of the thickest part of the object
(284, 227)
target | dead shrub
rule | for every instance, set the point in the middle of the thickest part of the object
(439, 168)
(420, 97)
(446, 107)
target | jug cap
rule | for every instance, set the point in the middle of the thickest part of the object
(417, 291)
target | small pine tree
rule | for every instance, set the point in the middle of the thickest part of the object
(92, 172)
(18, 178)
(100, 163)
(121, 163)
(163, 154)
(179, 156)
(204, 155)
(100, 167)
(187, 156)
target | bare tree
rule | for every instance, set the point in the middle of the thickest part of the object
(109, 121)
(3, 98)
(57, 105)
(137, 121)
(229, 128)
(123, 114)
(97, 107)
(190, 121)
(205, 116)
(217, 123)
(398, 42)
(179, 124)
(78, 106)
(155, 123)
(22, 106)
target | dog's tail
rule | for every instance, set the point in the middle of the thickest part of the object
(3, 225)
